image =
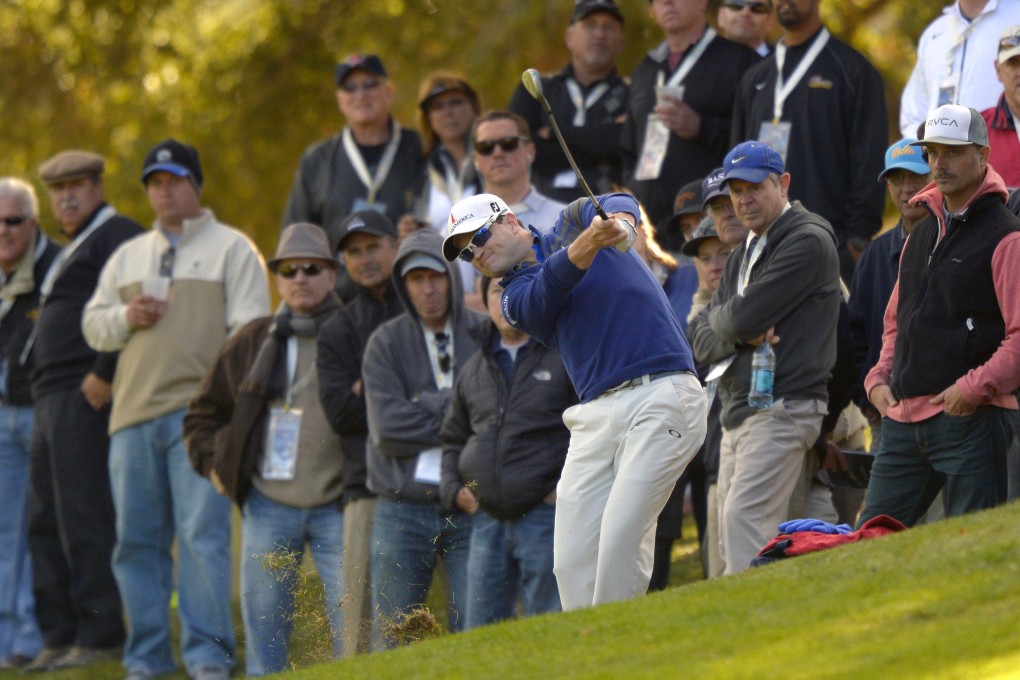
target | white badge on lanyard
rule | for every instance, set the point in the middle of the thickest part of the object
(948, 88)
(280, 460)
(656, 142)
(776, 133)
(428, 466)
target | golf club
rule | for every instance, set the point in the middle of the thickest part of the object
(533, 84)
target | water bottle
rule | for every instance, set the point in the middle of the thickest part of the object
(763, 374)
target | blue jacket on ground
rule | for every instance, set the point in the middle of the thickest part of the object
(611, 322)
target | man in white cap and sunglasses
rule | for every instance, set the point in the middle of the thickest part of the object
(578, 290)
(950, 358)
(167, 300)
(256, 429)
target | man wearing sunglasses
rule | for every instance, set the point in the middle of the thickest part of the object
(747, 22)
(578, 290)
(408, 371)
(256, 429)
(167, 300)
(589, 100)
(1001, 119)
(371, 164)
(25, 256)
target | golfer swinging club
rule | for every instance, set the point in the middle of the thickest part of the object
(642, 414)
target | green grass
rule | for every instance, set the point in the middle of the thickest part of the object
(941, 601)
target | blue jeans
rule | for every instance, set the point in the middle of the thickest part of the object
(511, 558)
(965, 455)
(156, 494)
(408, 538)
(18, 631)
(267, 590)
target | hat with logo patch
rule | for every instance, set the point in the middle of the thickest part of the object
(751, 162)
(468, 216)
(585, 8)
(366, 222)
(954, 125)
(687, 202)
(712, 187)
(174, 157)
(365, 62)
(1009, 44)
(904, 156)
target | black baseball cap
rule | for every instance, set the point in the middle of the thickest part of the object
(365, 62)
(366, 222)
(686, 202)
(174, 157)
(584, 8)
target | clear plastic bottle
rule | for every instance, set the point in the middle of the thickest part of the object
(763, 375)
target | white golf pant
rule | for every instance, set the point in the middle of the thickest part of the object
(627, 450)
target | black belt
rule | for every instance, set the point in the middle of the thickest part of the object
(640, 380)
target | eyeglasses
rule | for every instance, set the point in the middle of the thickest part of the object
(368, 84)
(899, 177)
(166, 263)
(507, 144)
(442, 342)
(719, 207)
(13, 220)
(755, 7)
(480, 238)
(289, 271)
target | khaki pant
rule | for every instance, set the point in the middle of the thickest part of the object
(357, 603)
(760, 463)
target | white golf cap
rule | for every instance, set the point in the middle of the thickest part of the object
(954, 125)
(468, 216)
(1009, 44)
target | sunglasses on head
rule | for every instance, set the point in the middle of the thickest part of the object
(366, 84)
(1009, 41)
(755, 7)
(289, 271)
(507, 144)
(480, 238)
(13, 220)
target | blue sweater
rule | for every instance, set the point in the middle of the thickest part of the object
(611, 322)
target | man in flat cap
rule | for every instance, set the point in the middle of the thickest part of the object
(949, 363)
(372, 164)
(256, 429)
(71, 515)
(168, 300)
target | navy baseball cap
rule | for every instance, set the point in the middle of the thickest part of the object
(366, 62)
(751, 162)
(704, 231)
(174, 157)
(904, 156)
(712, 186)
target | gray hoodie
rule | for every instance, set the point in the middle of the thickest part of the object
(405, 407)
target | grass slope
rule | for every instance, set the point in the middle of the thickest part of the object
(940, 601)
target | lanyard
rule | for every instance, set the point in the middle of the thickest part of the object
(755, 247)
(383, 170)
(783, 89)
(58, 264)
(582, 103)
(690, 60)
(299, 385)
(454, 178)
(959, 38)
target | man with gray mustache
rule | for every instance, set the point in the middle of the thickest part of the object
(71, 517)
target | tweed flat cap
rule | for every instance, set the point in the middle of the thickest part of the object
(71, 164)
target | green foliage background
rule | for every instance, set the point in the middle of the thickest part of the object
(249, 82)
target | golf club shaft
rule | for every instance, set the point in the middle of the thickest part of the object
(570, 157)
